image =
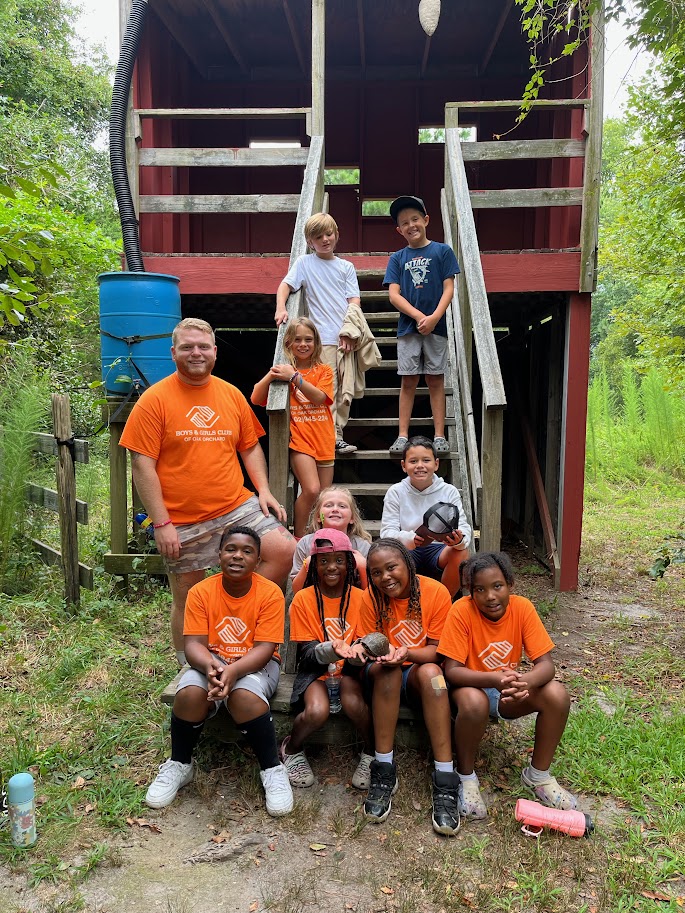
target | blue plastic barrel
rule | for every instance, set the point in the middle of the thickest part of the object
(138, 312)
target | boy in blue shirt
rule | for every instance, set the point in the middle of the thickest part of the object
(420, 279)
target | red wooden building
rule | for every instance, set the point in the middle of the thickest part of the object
(237, 107)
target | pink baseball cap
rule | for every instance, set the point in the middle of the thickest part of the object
(330, 540)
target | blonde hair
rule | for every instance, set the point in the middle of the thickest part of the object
(356, 525)
(319, 223)
(192, 323)
(289, 336)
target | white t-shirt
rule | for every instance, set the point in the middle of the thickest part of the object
(327, 284)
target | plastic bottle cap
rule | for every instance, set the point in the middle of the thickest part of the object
(20, 788)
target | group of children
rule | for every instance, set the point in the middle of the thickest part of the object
(420, 282)
(445, 659)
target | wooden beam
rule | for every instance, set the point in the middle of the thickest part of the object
(318, 67)
(542, 103)
(197, 203)
(46, 497)
(222, 29)
(52, 557)
(540, 496)
(297, 44)
(66, 498)
(488, 361)
(362, 39)
(491, 468)
(504, 15)
(426, 52)
(526, 198)
(222, 158)
(589, 226)
(224, 113)
(46, 443)
(523, 149)
(118, 490)
(573, 430)
(123, 564)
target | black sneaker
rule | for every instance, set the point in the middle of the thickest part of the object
(383, 787)
(446, 818)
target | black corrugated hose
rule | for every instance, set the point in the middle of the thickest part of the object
(117, 135)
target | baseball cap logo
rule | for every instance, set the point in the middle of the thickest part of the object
(408, 634)
(232, 630)
(336, 628)
(202, 417)
(494, 656)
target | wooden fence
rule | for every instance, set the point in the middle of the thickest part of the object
(68, 451)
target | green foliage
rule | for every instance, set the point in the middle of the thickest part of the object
(671, 551)
(23, 401)
(636, 428)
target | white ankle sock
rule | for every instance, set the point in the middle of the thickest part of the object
(385, 757)
(444, 767)
(465, 777)
(537, 776)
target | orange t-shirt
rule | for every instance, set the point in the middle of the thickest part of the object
(411, 633)
(488, 646)
(195, 435)
(233, 625)
(305, 622)
(311, 427)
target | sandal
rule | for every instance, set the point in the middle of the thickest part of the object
(397, 449)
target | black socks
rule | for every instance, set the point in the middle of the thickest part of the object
(184, 738)
(261, 735)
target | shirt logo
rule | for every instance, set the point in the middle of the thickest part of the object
(336, 628)
(232, 630)
(418, 267)
(494, 656)
(202, 417)
(408, 634)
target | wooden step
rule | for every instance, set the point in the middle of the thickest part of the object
(386, 340)
(395, 391)
(388, 364)
(372, 273)
(222, 158)
(388, 422)
(374, 296)
(374, 317)
(244, 203)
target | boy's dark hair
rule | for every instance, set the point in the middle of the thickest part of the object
(351, 579)
(419, 440)
(481, 562)
(381, 602)
(240, 531)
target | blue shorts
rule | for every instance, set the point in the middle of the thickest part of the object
(367, 682)
(493, 697)
(426, 557)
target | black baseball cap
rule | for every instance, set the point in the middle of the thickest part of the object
(401, 203)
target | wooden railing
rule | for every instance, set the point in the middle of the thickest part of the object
(471, 319)
(311, 201)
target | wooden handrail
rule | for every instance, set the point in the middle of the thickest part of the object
(486, 351)
(514, 105)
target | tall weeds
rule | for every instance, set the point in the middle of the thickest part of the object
(635, 430)
(22, 406)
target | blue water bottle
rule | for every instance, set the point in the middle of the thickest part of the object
(145, 523)
(21, 803)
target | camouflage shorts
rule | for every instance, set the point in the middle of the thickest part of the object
(200, 541)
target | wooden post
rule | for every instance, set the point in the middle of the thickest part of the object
(593, 157)
(318, 66)
(279, 431)
(66, 493)
(118, 493)
(491, 462)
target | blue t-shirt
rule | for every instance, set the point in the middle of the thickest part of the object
(420, 273)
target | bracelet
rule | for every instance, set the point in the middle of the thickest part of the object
(160, 525)
(293, 379)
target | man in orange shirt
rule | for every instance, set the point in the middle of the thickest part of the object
(185, 434)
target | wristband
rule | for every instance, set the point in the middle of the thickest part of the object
(160, 525)
(293, 379)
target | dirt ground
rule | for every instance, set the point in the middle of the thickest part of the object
(215, 849)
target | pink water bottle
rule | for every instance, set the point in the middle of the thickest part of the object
(534, 815)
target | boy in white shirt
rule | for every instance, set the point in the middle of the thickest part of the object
(330, 286)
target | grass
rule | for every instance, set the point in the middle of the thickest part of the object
(79, 706)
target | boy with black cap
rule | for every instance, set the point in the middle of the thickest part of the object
(420, 279)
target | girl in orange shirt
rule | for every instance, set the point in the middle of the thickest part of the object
(324, 617)
(312, 432)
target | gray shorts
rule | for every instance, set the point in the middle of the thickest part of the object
(262, 683)
(200, 541)
(417, 354)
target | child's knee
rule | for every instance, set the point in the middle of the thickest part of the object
(556, 695)
(472, 705)
(191, 704)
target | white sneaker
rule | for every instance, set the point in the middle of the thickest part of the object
(361, 778)
(299, 771)
(277, 789)
(171, 777)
